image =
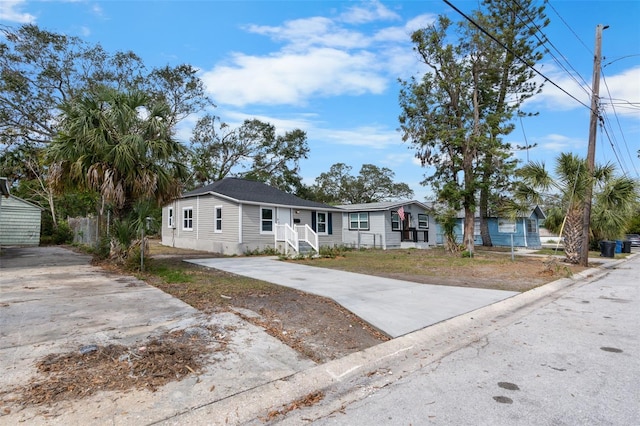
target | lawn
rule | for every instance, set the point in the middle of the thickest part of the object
(487, 269)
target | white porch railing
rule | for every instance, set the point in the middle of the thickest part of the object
(308, 235)
(292, 236)
(289, 235)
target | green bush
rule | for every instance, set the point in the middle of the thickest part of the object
(267, 251)
(62, 234)
(334, 251)
(102, 248)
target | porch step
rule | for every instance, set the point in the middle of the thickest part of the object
(304, 248)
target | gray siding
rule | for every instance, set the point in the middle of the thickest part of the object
(241, 226)
(380, 228)
(252, 239)
(203, 235)
(377, 235)
(335, 239)
(19, 222)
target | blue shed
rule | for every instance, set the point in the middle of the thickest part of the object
(525, 230)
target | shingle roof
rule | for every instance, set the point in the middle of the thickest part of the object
(382, 205)
(243, 190)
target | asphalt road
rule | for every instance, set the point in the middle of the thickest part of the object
(574, 360)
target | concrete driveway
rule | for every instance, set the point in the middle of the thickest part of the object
(396, 307)
(53, 300)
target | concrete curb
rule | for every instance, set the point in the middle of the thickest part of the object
(413, 351)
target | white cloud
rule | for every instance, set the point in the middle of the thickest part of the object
(300, 34)
(558, 143)
(299, 121)
(368, 12)
(553, 98)
(363, 136)
(400, 158)
(97, 10)
(622, 90)
(10, 11)
(287, 78)
(319, 57)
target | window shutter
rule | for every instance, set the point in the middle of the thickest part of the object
(313, 220)
(329, 223)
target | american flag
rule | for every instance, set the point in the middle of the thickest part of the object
(401, 213)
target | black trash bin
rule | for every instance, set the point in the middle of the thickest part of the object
(626, 246)
(607, 248)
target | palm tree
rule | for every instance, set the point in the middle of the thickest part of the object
(613, 199)
(119, 144)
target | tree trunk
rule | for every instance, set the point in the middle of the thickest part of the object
(484, 214)
(572, 234)
(469, 225)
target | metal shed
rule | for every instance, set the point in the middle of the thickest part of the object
(20, 222)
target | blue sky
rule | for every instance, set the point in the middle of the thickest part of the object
(331, 69)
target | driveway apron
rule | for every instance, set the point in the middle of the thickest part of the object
(53, 300)
(395, 307)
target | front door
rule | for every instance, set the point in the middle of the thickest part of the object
(407, 232)
(283, 216)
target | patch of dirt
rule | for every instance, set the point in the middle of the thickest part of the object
(316, 327)
(148, 365)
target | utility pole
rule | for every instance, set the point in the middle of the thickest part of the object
(591, 151)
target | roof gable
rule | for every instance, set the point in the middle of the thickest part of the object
(249, 191)
(14, 201)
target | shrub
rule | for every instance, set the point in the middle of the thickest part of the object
(333, 251)
(62, 234)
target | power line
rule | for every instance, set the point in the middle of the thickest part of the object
(619, 125)
(604, 128)
(514, 54)
(568, 26)
(547, 40)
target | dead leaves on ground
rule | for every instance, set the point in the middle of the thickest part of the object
(150, 365)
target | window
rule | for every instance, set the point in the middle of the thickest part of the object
(506, 225)
(218, 226)
(171, 220)
(359, 221)
(321, 223)
(395, 221)
(187, 218)
(423, 221)
(532, 226)
(477, 231)
(266, 215)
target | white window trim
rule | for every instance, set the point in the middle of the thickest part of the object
(184, 210)
(423, 228)
(215, 219)
(399, 222)
(171, 219)
(326, 223)
(359, 227)
(476, 227)
(273, 220)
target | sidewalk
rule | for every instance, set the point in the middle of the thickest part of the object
(572, 361)
(357, 376)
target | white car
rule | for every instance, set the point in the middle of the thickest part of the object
(635, 239)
